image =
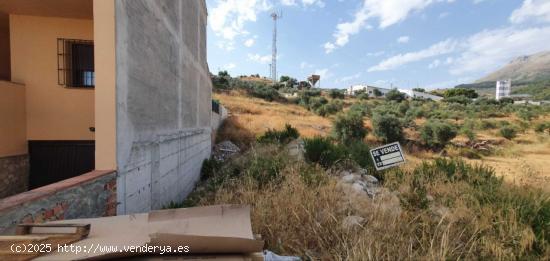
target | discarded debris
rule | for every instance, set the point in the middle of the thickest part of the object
(203, 233)
(270, 256)
(225, 150)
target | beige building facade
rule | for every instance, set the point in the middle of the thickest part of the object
(111, 86)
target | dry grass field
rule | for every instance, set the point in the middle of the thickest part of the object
(437, 206)
(525, 160)
(258, 115)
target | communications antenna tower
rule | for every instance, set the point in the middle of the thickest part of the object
(276, 16)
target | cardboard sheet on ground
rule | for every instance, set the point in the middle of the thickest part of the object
(213, 230)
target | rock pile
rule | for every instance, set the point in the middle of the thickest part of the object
(225, 150)
(361, 182)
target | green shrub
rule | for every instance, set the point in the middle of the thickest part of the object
(416, 112)
(304, 97)
(349, 127)
(330, 108)
(336, 94)
(266, 169)
(360, 108)
(387, 127)
(526, 114)
(436, 134)
(280, 137)
(487, 125)
(360, 153)
(503, 123)
(469, 153)
(395, 95)
(458, 99)
(323, 152)
(264, 92)
(316, 102)
(363, 96)
(506, 100)
(542, 127)
(468, 130)
(312, 175)
(508, 132)
(468, 93)
(209, 168)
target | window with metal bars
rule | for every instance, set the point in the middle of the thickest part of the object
(75, 63)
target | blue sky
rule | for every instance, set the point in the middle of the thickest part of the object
(403, 43)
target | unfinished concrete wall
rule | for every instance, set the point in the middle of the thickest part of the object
(90, 195)
(163, 101)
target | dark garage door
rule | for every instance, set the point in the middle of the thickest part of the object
(53, 161)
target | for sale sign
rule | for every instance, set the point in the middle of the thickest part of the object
(387, 156)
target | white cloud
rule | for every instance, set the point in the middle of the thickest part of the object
(536, 10)
(388, 12)
(487, 50)
(443, 15)
(304, 65)
(228, 18)
(329, 47)
(403, 39)
(376, 54)
(324, 73)
(449, 83)
(393, 62)
(249, 42)
(229, 66)
(305, 3)
(348, 78)
(226, 45)
(318, 3)
(264, 59)
(434, 64)
(288, 2)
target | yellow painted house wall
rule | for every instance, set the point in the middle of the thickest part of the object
(105, 84)
(13, 140)
(53, 112)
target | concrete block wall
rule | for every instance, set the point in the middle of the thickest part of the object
(163, 101)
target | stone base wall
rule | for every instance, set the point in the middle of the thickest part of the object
(14, 175)
(90, 195)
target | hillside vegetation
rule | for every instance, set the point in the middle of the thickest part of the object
(529, 75)
(475, 185)
(523, 69)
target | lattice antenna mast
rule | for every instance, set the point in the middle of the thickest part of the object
(276, 16)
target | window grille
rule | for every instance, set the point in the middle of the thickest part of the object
(75, 63)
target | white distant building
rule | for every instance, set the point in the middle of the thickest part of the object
(504, 89)
(370, 90)
(354, 88)
(420, 95)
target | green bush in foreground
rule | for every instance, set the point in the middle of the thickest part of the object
(323, 152)
(437, 134)
(387, 127)
(284, 136)
(395, 95)
(542, 127)
(508, 132)
(349, 127)
(264, 92)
